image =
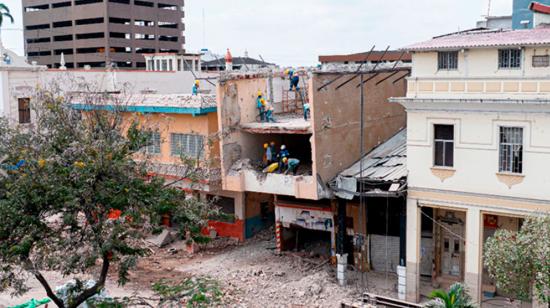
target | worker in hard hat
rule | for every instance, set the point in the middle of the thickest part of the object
(291, 165)
(269, 155)
(260, 102)
(196, 87)
(283, 153)
(273, 150)
(306, 111)
(294, 79)
(269, 110)
(269, 114)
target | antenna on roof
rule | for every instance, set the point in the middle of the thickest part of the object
(489, 8)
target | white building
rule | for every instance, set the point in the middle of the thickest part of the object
(172, 62)
(19, 80)
(478, 105)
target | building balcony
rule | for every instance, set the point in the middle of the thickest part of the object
(291, 123)
(486, 88)
(248, 179)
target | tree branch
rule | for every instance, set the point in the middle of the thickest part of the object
(48, 289)
(97, 287)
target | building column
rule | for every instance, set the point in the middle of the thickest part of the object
(473, 272)
(341, 226)
(413, 251)
(240, 206)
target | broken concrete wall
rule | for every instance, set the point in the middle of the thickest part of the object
(241, 147)
(336, 118)
(236, 105)
(213, 141)
(278, 85)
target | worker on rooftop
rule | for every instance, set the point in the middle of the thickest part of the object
(294, 79)
(306, 111)
(291, 165)
(269, 110)
(260, 103)
(269, 114)
(196, 87)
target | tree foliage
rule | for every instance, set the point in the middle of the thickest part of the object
(78, 200)
(520, 261)
(5, 13)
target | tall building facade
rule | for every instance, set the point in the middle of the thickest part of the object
(101, 32)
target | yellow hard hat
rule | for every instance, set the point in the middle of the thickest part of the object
(287, 71)
(197, 82)
(259, 93)
(266, 145)
(285, 160)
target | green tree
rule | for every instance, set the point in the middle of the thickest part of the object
(457, 297)
(5, 12)
(75, 200)
(520, 261)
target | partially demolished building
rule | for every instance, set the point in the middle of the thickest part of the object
(301, 205)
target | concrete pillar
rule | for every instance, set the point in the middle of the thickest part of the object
(413, 251)
(342, 263)
(473, 269)
(240, 206)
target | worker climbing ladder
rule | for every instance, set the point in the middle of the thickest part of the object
(294, 100)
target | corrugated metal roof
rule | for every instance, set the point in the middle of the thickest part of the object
(387, 162)
(480, 38)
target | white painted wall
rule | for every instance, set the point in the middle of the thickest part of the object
(479, 63)
(477, 148)
(21, 82)
(15, 85)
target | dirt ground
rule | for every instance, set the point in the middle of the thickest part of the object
(251, 275)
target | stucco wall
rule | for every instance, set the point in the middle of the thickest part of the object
(16, 84)
(479, 62)
(336, 119)
(476, 150)
(167, 124)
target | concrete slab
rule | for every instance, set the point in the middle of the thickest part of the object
(164, 238)
(285, 124)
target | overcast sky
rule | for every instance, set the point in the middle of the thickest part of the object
(296, 32)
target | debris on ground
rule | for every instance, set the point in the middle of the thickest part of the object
(164, 238)
(250, 274)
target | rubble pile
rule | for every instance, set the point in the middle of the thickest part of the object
(254, 275)
(239, 165)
